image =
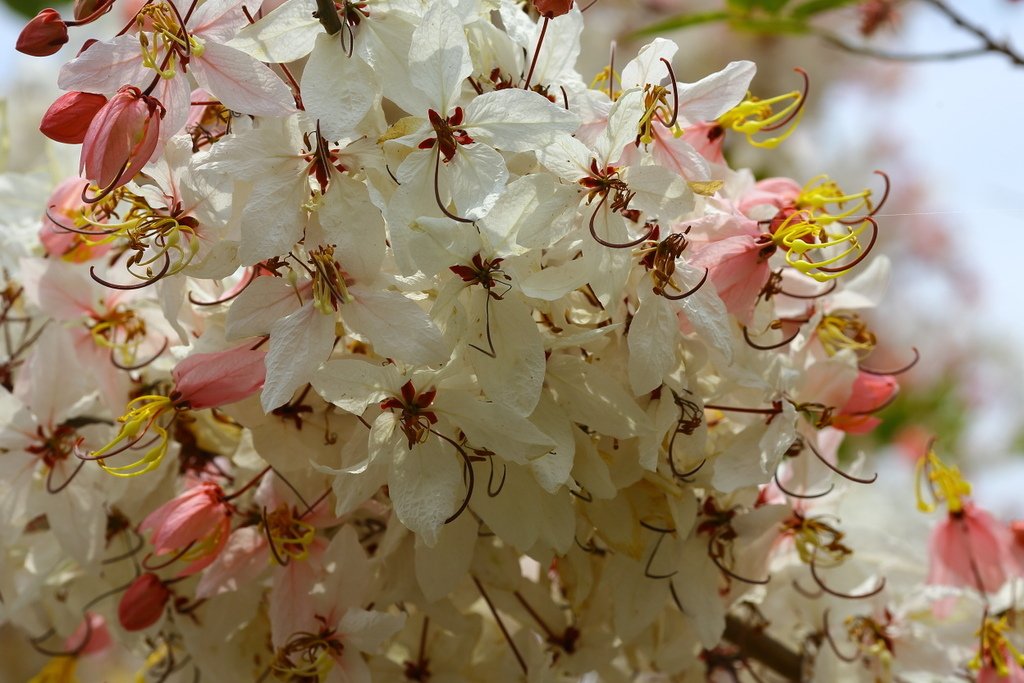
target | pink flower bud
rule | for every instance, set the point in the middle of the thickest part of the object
(870, 393)
(143, 603)
(68, 118)
(208, 380)
(122, 138)
(90, 637)
(89, 10)
(549, 9)
(199, 517)
(44, 35)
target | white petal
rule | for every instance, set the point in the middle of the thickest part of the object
(299, 343)
(514, 120)
(425, 486)
(477, 178)
(242, 83)
(105, 67)
(337, 90)
(354, 384)
(513, 377)
(648, 67)
(438, 60)
(713, 95)
(395, 325)
(653, 336)
(262, 303)
(284, 35)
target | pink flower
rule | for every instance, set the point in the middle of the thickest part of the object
(199, 517)
(62, 211)
(68, 118)
(869, 394)
(970, 548)
(122, 138)
(778, 192)
(209, 380)
(44, 35)
(143, 603)
(90, 637)
(738, 269)
(707, 138)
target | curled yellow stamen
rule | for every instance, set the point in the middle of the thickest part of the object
(57, 670)
(291, 537)
(945, 482)
(995, 649)
(839, 331)
(821, 193)
(800, 235)
(140, 417)
(754, 115)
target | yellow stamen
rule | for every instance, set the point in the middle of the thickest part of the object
(800, 234)
(840, 331)
(291, 537)
(606, 75)
(946, 484)
(57, 670)
(753, 115)
(995, 648)
(155, 659)
(822, 192)
(814, 538)
(140, 415)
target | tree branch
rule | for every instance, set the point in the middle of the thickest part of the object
(755, 644)
(327, 14)
(991, 45)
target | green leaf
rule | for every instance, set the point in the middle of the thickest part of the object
(809, 9)
(771, 26)
(683, 21)
(770, 6)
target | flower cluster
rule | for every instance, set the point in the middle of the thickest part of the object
(373, 343)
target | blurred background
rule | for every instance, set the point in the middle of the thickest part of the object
(909, 87)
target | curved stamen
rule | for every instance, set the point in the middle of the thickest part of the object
(827, 631)
(768, 347)
(270, 541)
(229, 297)
(140, 543)
(138, 366)
(810, 595)
(831, 288)
(838, 471)
(168, 562)
(863, 252)
(874, 211)
(898, 371)
(437, 191)
(536, 53)
(78, 231)
(839, 594)
(468, 476)
(682, 476)
(105, 192)
(802, 496)
(115, 451)
(653, 227)
(50, 488)
(491, 492)
(650, 559)
(675, 95)
(728, 572)
(145, 283)
(692, 290)
(885, 404)
(800, 103)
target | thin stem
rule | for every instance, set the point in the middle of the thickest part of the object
(536, 53)
(501, 624)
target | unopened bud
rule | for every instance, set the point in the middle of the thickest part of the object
(143, 603)
(44, 35)
(549, 9)
(68, 118)
(122, 138)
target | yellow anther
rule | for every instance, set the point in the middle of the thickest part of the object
(800, 234)
(994, 648)
(821, 193)
(656, 103)
(139, 418)
(754, 115)
(329, 287)
(840, 331)
(291, 537)
(817, 541)
(607, 76)
(945, 482)
(155, 659)
(57, 670)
